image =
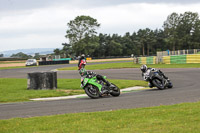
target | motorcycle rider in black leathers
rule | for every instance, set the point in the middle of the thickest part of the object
(146, 71)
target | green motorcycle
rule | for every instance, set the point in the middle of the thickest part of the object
(95, 88)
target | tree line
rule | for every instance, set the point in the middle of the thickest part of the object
(180, 31)
(22, 55)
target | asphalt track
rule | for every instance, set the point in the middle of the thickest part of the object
(186, 89)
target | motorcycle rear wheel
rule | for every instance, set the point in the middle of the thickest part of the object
(92, 91)
(158, 83)
(115, 91)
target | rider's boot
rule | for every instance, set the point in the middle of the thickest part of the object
(104, 90)
(163, 74)
(109, 84)
(150, 85)
(81, 84)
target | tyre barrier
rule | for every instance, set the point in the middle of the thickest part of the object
(181, 59)
(147, 60)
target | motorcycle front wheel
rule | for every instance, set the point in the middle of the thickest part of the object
(92, 91)
(115, 91)
(170, 85)
(158, 83)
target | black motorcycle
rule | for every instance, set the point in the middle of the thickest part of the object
(159, 80)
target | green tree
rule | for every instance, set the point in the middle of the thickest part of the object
(182, 30)
(21, 55)
(82, 33)
(67, 49)
(196, 35)
(160, 44)
(57, 51)
(115, 48)
(144, 40)
(170, 28)
(100, 50)
(127, 43)
(187, 26)
(37, 56)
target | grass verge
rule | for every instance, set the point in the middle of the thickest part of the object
(15, 90)
(2, 68)
(179, 118)
(10, 62)
(132, 65)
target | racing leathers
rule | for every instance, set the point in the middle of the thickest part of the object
(83, 72)
(146, 75)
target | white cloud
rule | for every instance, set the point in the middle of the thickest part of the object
(131, 17)
(46, 27)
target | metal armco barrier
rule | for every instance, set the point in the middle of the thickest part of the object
(181, 59)
(53, 62)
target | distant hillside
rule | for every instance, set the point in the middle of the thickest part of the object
(41, 51)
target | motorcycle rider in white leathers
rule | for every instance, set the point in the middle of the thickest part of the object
(146, 73)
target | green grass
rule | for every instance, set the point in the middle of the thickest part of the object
(15, 90)
(120, 65)
(96, 61)
(132, 65)
(3, 62)
(180, 118)
(1, 68)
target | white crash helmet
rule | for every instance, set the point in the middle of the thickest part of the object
(83, 56)
(143, 68)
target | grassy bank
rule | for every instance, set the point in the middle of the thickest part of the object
(180, 118)
(132, 65)
(14, 90)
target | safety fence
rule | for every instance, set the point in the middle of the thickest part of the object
(147, 60)
(53, 62)
(181, 59)
(62, 59)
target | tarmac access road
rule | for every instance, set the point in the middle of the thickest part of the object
(186, 89)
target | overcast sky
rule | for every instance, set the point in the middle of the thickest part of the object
(43, 23)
